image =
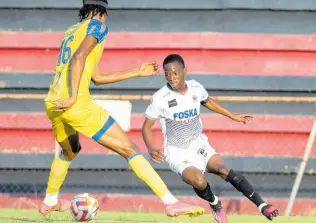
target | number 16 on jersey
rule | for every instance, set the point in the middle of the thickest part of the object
(65, 51)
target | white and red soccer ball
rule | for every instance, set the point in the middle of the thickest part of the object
(84, 207)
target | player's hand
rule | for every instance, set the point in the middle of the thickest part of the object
(148, 69)
(244, 118)
(156, 156)
(64, 104)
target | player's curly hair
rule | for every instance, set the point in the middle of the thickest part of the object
(174, 58)
(95, 9)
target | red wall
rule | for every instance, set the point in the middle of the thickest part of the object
(204, 53)
(266, 135)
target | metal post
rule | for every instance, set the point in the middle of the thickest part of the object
(301, 170)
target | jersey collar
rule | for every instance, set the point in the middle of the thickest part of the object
(173, 90)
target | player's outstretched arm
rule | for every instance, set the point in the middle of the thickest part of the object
(155, 154)
(212, 105)
(146, 69)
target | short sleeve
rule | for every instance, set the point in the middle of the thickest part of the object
(97, 29)
(152, 111)
(203, 93)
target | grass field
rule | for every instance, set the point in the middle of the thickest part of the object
(23, 216)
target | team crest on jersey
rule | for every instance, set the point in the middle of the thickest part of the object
(172, 103)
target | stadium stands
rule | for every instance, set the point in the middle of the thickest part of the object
(224, 48)
(174, 16)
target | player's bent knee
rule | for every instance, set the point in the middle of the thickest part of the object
(76, 150)
(223, 171)
(75, 146)
(69, 155)
(135, 147)
(124, 149)
(199, 182)
(128, 151)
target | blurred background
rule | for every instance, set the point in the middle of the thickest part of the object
(254, 57)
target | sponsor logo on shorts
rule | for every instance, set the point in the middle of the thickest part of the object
(202, 151)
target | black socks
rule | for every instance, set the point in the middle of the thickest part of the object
(243, 185)
(206, 194)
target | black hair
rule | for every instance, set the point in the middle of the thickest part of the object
(174, 58)
(95, 9)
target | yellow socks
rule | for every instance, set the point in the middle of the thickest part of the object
(138, 163)
(57, 175)
(145, 172)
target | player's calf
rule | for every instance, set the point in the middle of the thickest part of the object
(217, 166)
(218, 212)
(243, 185)
(58, 172)
(71, 147)
(194, 177)
(69, 155)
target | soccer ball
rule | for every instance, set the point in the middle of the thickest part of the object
(84, 207)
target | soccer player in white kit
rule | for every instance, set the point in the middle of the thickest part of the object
(177, 106)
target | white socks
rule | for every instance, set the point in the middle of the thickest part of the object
(169, 199)
(215, 201)
(51, 199)
(262, 206)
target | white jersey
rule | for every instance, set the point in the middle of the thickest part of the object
(179, 114)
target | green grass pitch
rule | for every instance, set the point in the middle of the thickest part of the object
(28, 216)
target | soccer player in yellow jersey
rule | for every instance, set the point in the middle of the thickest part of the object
(71, 109)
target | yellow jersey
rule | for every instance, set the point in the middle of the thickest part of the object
(60, 87)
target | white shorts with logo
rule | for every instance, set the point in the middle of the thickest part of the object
(197, 155)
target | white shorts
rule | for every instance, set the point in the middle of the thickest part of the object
(197, 155)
